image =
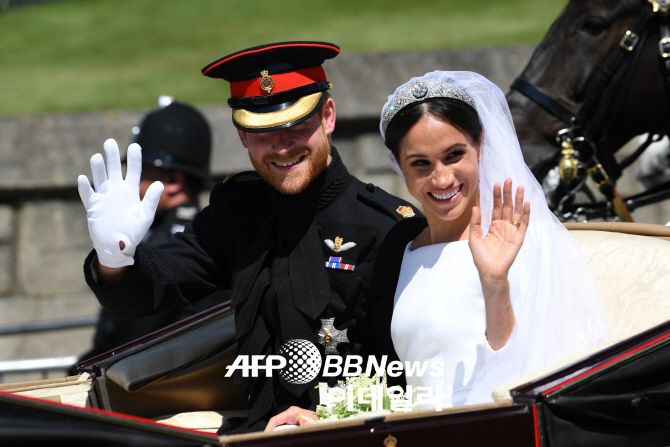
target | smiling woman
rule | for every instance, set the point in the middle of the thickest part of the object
(487, 289)
(438, 141)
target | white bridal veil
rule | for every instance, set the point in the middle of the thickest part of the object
(554, 294)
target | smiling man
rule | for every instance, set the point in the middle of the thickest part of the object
(289, 159)
(295, 240)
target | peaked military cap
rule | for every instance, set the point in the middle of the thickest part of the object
(274, 86)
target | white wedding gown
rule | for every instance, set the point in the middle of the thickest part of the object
(439, 316)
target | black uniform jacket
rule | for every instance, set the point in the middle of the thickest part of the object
(272, 250)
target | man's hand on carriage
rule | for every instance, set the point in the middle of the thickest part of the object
(293, 416)
(117, 218)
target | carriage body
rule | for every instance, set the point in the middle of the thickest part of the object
(616, 395)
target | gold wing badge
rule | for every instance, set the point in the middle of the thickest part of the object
(338, 246)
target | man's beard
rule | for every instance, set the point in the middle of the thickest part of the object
(294, 182)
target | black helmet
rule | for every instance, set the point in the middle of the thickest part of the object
(177, 137)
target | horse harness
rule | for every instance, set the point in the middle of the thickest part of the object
(584, 149)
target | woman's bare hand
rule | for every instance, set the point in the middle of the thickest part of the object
(494, 254)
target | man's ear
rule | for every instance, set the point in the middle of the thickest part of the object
(328, 115)
(243, 138)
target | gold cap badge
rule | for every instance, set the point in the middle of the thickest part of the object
(267, 83)
(405, 211)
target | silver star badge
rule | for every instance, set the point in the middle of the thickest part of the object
(330, 337)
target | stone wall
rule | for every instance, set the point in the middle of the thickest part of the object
(43, 233)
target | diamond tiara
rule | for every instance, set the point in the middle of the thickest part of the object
(419, 91)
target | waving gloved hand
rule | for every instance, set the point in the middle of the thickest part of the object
(117, 218)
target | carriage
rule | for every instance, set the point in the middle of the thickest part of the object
(169, 388)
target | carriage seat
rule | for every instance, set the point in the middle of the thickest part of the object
(631, 264)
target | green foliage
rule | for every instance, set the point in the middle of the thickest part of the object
(341, 410)
(81, 55)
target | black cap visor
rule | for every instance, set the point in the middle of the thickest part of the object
(164, 161)
(168, 162)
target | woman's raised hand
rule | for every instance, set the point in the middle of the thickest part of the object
(494, 254)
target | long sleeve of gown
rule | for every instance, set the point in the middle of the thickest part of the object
(383, 284)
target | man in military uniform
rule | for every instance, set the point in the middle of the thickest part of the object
(295, 240)
(176, 146)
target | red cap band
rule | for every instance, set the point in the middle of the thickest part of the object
(282, 82)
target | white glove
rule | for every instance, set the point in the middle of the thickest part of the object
(115, 212)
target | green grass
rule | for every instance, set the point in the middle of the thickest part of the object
(83, 55)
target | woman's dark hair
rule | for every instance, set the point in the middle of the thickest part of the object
(455, 112)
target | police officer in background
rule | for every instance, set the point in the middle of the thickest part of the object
(176, 146)
(295, 240)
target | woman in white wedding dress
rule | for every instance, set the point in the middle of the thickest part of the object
(494, 287)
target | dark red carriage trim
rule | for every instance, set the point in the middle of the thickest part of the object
(536, 427)
(612, 361)
(528, 392)
(271, 47)
(107, 416)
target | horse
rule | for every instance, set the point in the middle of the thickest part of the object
(604, 63)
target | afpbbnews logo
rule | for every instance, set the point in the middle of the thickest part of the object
(299, 361)
(353, 366)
